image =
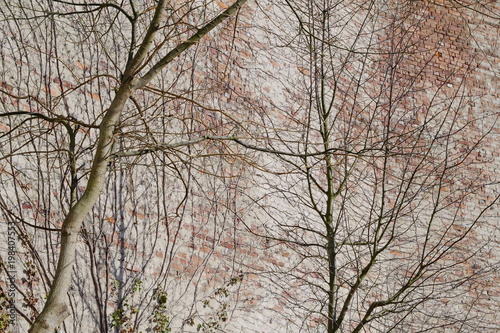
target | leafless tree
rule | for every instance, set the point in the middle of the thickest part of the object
(95, 133)
(383, 190)
(117, 116)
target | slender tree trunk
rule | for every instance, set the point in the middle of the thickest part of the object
(332, 320)
(55, 309)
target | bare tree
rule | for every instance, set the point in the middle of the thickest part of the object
(383, 193)
(81, 86)
(113, 113)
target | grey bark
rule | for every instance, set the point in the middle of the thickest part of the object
(55, 310)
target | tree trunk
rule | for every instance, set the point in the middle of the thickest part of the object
(332, 320)
(55, 309)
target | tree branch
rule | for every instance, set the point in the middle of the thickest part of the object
(144, 80)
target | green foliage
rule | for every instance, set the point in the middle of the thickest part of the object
(29, 280)
(159, 317)
(4, 316)
(122, 316)
(215, 321)
(219, 303)
(137, 286)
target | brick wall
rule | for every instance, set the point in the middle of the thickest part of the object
(184, 222)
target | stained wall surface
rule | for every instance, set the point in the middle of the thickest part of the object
(370, 125)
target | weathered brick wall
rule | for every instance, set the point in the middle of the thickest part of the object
(428, 57)
(184, 222)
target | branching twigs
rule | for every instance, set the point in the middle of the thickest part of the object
(55, 309)
(378, 185)
(146, 78)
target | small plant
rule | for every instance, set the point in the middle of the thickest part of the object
(4, 316)
(159, 317)
(215, 322)
(121, 318)
(29, 279)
